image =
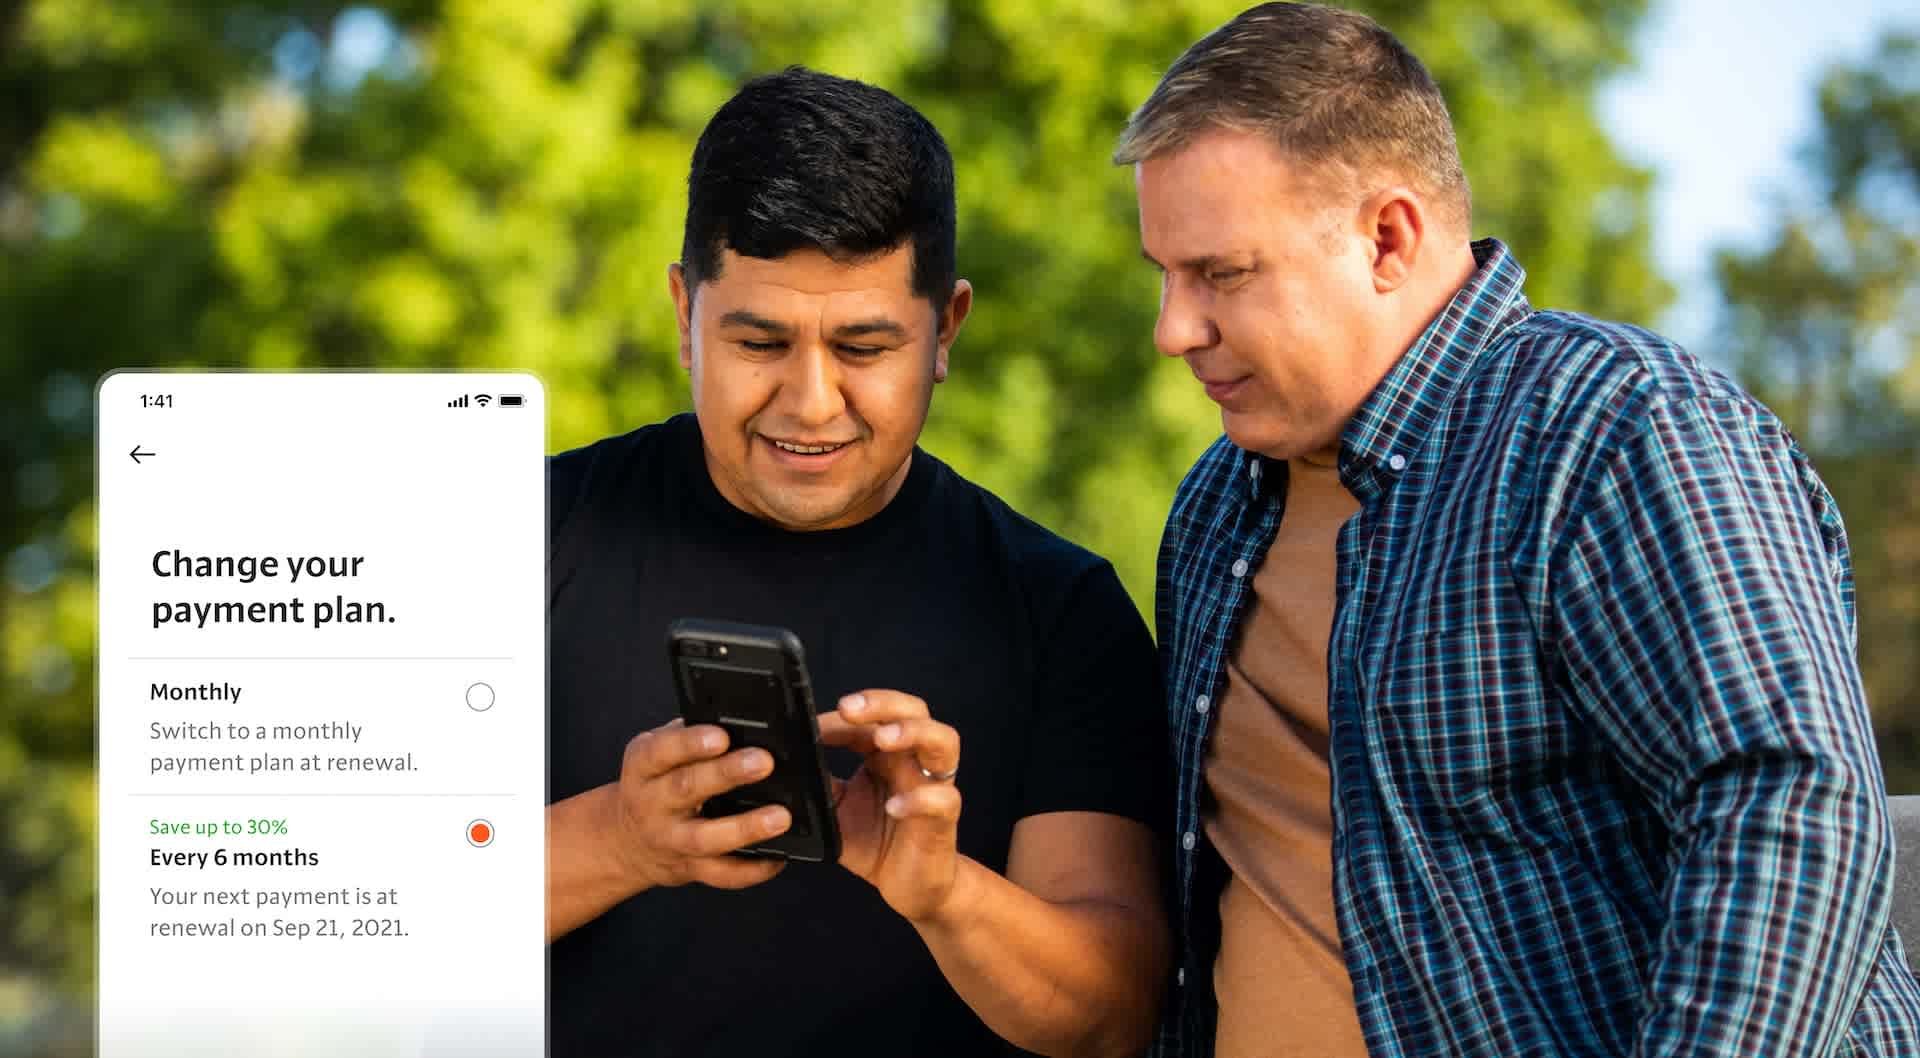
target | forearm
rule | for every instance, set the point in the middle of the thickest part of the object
(583, 879)
(1059, 979)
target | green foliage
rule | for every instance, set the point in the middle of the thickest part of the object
(1824, 325)
(216, 183)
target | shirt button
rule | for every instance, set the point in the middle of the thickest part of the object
(1239, 567)
(1397, 461)
(1180, 977)
(1186, 841)
(1200, 705)
(1253, 468)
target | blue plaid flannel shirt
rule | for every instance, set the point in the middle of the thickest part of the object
(1604, 781)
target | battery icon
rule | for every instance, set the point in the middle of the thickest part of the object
(511, 400)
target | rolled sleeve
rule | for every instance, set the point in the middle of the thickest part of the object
(1703, 610)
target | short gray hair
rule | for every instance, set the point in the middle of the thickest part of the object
(1326, 86)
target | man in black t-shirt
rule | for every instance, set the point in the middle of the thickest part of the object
(1010, 902)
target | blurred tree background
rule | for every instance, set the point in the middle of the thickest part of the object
(471, 184)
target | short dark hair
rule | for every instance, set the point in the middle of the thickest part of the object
(805, 160)
(1326, 86)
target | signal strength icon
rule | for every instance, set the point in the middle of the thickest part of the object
(482, 399)
(459, 402)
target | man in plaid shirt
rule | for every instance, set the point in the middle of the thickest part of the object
(1510, 653)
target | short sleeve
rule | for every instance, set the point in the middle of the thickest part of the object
(1099, 735)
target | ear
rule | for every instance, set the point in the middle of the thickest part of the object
(683, 311)
(951, 318)
(1395, 220)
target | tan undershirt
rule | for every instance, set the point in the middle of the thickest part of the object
(1283, 988)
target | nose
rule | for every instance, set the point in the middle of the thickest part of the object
(812, 391)
(1186, 321)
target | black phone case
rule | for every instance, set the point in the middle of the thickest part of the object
(761, 673)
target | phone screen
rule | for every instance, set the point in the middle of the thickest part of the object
(322, 732)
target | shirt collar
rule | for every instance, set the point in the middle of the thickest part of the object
(1379, 442)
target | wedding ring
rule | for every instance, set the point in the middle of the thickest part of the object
(938, 776)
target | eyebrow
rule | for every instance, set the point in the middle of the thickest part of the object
(878, 325)
(749, 318)
(1193, 264)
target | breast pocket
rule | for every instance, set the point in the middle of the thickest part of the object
(1463, 718)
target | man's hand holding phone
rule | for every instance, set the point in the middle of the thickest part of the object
(665, 776)
(899, 815)
(895, 823)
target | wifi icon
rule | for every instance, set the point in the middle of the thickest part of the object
(482, 399)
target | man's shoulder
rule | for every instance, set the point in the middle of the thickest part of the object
(640, 444)
(1571, 366)
(612, 463)
(613, 480)
(1043, 556)
(1573, 397)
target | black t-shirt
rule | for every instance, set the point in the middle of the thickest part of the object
(1023, 642)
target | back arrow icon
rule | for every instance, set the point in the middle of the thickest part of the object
(137, 453)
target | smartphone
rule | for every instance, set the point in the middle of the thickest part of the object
(752, 681)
